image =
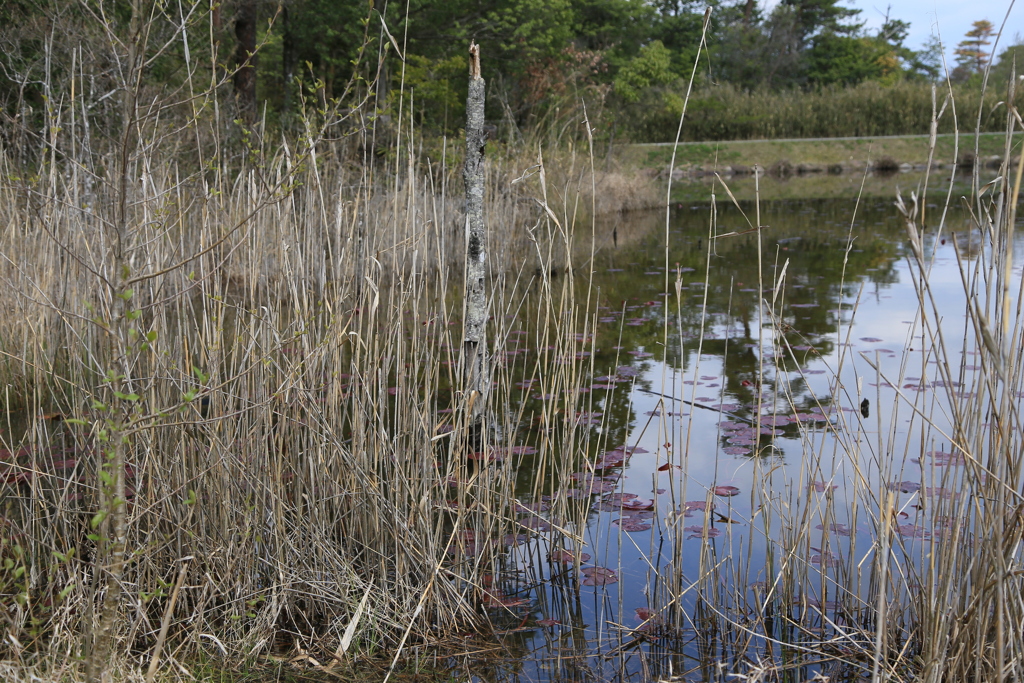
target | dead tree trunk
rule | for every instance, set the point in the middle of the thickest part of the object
(476, 370)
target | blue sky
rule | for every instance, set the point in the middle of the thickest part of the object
(952, 18)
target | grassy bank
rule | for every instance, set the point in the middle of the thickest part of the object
(816, 169)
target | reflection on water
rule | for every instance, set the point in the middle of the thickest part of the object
(848, 185)
(721, 419)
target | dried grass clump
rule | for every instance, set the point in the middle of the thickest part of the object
(620, 192)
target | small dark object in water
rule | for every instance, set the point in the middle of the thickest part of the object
(865, 408)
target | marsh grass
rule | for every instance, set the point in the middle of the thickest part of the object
(252, 377)
(261, 446)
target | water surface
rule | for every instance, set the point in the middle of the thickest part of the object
(776, 375)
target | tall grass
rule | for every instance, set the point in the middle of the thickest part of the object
(233, 383)
(236, 426)
(724, 112)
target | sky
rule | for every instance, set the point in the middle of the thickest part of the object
(952, 19)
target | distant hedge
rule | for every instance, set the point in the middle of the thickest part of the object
(869, 109)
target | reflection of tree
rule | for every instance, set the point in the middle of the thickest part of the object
(811, 236)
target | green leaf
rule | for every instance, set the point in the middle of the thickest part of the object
(97, 519)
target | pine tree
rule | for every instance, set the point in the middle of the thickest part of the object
(971, 55)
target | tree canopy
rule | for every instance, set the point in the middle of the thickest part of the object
(628, 56)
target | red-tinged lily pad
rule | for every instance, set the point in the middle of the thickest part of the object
(825, 559)
(638, 504)
(942, 459)
(666, 467)
(726, 491)
(609, 461)
(904, 486)
(598, 486)
(632, 524)
(620, 497)
(840, 529)
(870, 340)
(484, 457)
(547, 623)
(599, 576)
(822, 486)
(496, 599)
(565, 557)
(913, 531)
(701, 505)
(736, 450)
(702, 532)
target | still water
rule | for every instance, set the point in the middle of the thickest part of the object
(811, 323)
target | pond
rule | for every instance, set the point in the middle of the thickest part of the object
(753, 404)
(746, 438)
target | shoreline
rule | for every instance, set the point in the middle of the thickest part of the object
(814, 156)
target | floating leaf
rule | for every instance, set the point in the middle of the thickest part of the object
(599, 576)
(564, 556)
(942, 459)
(702, 532)
(726, 491)
(913, 531)
(638, 504)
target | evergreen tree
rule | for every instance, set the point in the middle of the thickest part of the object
(971, 55)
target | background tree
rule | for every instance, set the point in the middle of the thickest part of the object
(1010, 62)
(245, 59)
(971, 55)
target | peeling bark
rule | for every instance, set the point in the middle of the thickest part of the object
(474, 348)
